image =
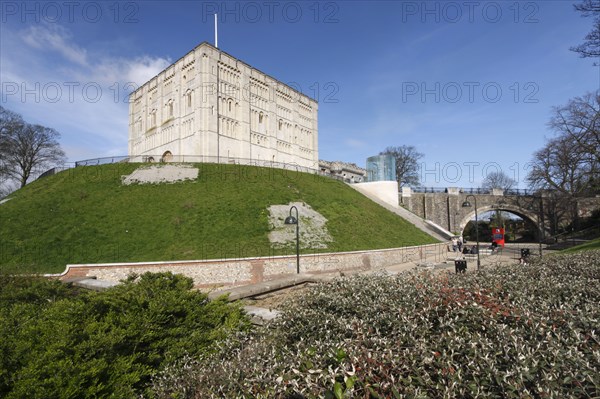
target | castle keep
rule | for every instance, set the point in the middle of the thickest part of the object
(211, 107)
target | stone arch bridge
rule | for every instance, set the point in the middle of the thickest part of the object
(444, 207)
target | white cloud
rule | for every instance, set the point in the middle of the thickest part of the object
(91, 110)
(55, 37)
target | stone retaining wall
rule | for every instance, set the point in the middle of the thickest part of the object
(234, 272)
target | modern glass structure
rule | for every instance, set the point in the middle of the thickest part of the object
(381, 168)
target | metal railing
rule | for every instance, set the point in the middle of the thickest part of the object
(473, 190)
(200, 159)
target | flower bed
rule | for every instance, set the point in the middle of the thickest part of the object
(511, 332)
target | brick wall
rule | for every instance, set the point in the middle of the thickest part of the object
(233, 272)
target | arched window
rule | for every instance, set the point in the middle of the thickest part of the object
(260, 118)
(188, 98)
(153, 118)
(280, 124)
(229, 104)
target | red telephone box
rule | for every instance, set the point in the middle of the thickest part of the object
(498, 236)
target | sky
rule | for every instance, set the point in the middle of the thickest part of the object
(470, 84)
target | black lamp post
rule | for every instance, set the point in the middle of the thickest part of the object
(467, 204)
(539, 216)
(295, 220)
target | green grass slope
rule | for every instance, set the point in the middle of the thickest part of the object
(85, 215)
(591, 245)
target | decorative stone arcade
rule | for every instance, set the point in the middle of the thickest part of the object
(445, 207)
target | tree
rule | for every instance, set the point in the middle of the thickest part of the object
(407, 164)
(9, 122)
(26, 148)
(580, 120)
(569, 164)
(498, 180)
(559, 167)
(590, 48)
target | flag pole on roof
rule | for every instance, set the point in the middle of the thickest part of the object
(216, 35)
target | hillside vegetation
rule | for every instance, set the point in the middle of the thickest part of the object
(60, 342)
(85, 215)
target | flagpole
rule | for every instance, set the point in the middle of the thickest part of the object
(216, 34)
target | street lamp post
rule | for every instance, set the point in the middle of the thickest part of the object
(540, 216)
(467, 204)
(295, 220)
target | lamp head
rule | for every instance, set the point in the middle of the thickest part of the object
(466, 204)
(290, 220)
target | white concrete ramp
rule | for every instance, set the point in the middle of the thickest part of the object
(421, 224)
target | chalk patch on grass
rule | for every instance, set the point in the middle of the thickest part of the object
(156, 174)
(313, 232)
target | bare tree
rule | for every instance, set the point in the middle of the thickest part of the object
(407, 164)
(558, 166)
(9, 122)
(25, 148)
(498, 180)
(590, 48)
(580, 121)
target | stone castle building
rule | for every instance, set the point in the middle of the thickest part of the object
(211, 107)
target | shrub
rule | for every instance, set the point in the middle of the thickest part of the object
(107, 344)
(508, 332)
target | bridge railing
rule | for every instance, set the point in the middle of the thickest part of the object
(429, 189)
(519, 191)
(472, 190)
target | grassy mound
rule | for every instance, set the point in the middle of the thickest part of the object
(507, 332)
(85, 215)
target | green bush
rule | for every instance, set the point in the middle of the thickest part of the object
(59, 343)
(508, 332)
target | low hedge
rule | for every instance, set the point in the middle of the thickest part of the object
(511, 332)
(58, 342)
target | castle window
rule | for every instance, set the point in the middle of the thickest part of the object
(188, 98)
(153, 118)
(170, 108)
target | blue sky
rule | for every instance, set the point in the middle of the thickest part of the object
(469, 84)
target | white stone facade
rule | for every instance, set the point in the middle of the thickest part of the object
(211, 107)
